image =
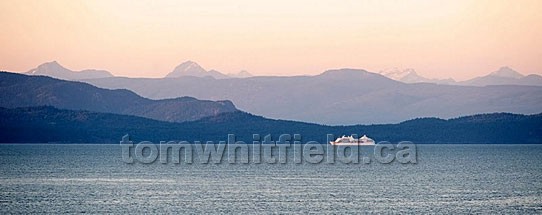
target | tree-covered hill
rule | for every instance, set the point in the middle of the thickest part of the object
(47, 124)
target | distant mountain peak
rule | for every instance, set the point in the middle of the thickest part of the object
(49, 68)
(187, 68)
(507, 72)
(190, 65)
(505, 76)
(409, 75)
(51, 63)
(240, 74)
(55, 70)
(191, 68)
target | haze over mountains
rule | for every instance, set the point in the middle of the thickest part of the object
(503, 76)
(409, 75)
(344, 96)
(188, 68)
(81, 113)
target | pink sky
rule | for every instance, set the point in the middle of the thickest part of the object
(458, 38)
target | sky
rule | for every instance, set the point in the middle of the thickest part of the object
(458, 38)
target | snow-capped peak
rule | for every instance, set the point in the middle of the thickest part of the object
(54, 69)
(409, 75)
(188, 68)
(191, 68)
(401, 74)
(507, 72)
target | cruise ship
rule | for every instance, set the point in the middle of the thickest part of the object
(351, 141)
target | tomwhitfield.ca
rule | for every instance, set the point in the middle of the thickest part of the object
(287, 148)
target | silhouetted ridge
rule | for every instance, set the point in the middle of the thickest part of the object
(48, 124)
(18, 90)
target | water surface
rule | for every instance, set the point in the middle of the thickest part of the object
(446, 179)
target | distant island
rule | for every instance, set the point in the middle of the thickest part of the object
(51, 125)
(40, 109)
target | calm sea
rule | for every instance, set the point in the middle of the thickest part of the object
(446, 179)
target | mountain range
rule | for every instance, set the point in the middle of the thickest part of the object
(188, 68)
(18, 90)
(339, 97)
(410, 76)
(503, 76)
(191, 68)
(44, 109)
(54, 69)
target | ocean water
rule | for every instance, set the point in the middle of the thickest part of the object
(42, 178)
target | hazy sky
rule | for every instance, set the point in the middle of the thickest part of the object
(459, 39)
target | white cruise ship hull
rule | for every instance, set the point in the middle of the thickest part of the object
(352, 144)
